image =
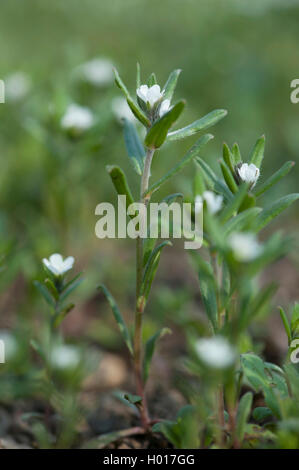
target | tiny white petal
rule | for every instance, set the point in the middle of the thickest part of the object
(57, 265)
(149, 94)
(165, 105)
(215, 352)
(11, 346)
(249, 173)
(245, 246)
(214, 201)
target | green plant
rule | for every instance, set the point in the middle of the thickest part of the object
(155, 112)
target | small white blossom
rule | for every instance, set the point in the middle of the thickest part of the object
(10, 344)
(57, 265)
(17, 86)
(77, 118)
(249, 173)
(150, 94)
(65, 357)
(245, 246)
(164, 107)
(98, 72)
(121, 110)
(214, 201)
(215, 352)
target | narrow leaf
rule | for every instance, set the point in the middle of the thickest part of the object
(236, 153)
(134, 146)
(235, 204)
(213, 182)
(228, 177)
(242, 220)
(45, 293)
(228, 157)
(286, 324)
(133, 106)
(269, 213)
(158, 132)
(257, 153)
(243, 414)
(283, 171)
(193, 152)
(120, 183)
(200, 125)
(170, 85)
(150, 349)
(118, 317)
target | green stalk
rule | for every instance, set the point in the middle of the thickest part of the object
(140, 305)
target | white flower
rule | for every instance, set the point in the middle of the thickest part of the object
(149, 94)
(245, 246)
(214, 201)
(249, 173)
(98, 72)
(121, 110)
(17, 86)
(65, 357)
(215, 352)
(10, 344)
(57, 265)
(77, 118)
(164, 107)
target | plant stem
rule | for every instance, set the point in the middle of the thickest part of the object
(140, 304)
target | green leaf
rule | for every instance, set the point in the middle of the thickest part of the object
(151, 80)
(158, 132)
(208, 292)
(45, 293)
(170, 85)
(243, 414)
(283, 171)
(120, 183)
(198, 184)
(261, 413)
(228, 177)
(118, 317)
(150, 349)
(233, 206)
(133, 106)
(241, 221)
(228, 158)
(134, 146)
(286, 324)
(214, 183)
(150, 270)
(257, 153)
(133, 399)
(295, 321)
(138, 76)
(269, 213)
(38, 349)
(236, 154)
(70, 289)
(183, 433)
(61, 316)
(200, 125)
(193, 152)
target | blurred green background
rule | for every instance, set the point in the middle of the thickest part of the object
(234, 54)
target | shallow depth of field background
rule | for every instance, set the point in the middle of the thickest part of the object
(236, 54)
